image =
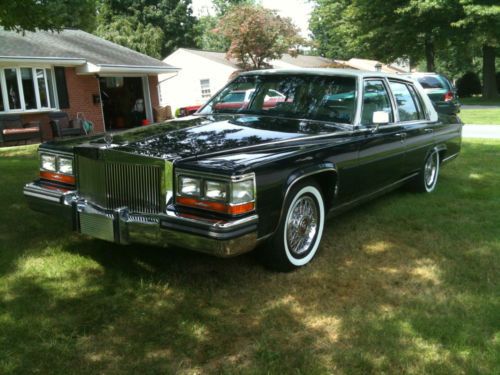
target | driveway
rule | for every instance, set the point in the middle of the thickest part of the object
(481, 131)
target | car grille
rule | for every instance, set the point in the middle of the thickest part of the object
(114, 185)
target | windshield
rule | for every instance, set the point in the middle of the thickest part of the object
(323, 98)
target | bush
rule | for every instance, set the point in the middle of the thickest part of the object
(468, 85)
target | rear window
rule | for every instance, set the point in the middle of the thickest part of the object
(433, 82)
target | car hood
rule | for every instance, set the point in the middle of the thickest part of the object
(198, 136)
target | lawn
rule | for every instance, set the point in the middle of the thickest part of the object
(479, 100)
(480, 116)
(406, 284)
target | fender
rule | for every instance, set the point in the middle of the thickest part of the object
(300, 174)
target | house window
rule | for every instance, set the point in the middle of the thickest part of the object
(205, 88)
(27, 89)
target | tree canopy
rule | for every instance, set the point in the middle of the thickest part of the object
(29, 15)
(153, 27)
(257, 34)
(415, 29)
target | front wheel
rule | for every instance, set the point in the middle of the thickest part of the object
(298, 236)
(427, 178)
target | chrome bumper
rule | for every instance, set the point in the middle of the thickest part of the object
(169, 229)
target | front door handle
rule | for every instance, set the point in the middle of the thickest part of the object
(401, 135)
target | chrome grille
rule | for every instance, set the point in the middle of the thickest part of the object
(114, 185)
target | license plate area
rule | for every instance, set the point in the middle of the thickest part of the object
(98, 226)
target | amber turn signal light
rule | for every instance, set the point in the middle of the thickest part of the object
(238, 209)
(57, 177)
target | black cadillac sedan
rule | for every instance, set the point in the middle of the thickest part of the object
(264, 168)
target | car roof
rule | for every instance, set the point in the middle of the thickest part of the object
(327, 72)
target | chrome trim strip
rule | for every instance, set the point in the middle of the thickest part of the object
(42, 196)
(253, 219)
(450, 157)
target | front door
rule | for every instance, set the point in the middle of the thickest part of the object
(382, 149)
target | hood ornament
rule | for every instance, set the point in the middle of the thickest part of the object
(108, 138)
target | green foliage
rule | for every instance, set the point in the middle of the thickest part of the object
(257, 34)
(207, 38)
(468, 85)
(153, 27)
(29, 15)
(223, 6)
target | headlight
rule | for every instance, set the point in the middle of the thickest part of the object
(189, 186)
(65, 165)
(216, 190)
(242, 191)
(228, 195)
(48, 162)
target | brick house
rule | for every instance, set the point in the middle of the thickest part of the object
(78, 73)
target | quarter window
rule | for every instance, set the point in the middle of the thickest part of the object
(205, 88)
(407, 103)
(26, 89)
(375, 98)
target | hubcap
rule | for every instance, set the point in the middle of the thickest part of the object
(430, 171)
(302, 225)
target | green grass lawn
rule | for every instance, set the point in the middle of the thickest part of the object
(479, 100)
(480, 116)
(406, 284)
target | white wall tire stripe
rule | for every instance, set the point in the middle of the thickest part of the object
(302, 261)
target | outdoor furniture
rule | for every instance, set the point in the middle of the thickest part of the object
(62, 126)
(12, 129)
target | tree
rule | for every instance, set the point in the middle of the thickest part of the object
(257, 35)
(481, 20)
(29, 15)
(153, 27)
(207, 36)
(383, 30)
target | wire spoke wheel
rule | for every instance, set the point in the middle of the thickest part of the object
(302, 225)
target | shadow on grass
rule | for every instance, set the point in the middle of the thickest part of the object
(406, 284)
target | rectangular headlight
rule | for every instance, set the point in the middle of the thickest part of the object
(242, 192)
(48, 162)
(65, 165)
(217, 190)
(189, 186)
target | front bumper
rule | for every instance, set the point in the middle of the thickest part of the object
(170, 229)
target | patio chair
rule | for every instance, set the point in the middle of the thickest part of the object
(62, 126)
(12, 129)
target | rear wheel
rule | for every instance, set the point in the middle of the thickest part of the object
(427, 178)
(298, 236)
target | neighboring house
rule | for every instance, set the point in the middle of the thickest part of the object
(203, 73)
(76, 72)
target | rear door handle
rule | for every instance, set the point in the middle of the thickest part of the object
(428, 130)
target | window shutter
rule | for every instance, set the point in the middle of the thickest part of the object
(62, 89)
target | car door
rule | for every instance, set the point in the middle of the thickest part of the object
(415, 127)
(381, 149)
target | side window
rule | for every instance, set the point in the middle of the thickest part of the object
(408, 108)
(418, 101)
(375, 98)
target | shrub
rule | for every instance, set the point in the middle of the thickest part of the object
(468, 85)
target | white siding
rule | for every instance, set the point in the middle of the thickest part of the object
(185, 88)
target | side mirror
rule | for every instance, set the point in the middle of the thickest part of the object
(380, 118)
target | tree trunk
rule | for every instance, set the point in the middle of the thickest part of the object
(430, 54)
(489, 75)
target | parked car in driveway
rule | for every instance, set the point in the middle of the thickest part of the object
(440, 90)
(229, 179)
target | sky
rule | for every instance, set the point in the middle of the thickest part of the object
(298, 10)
